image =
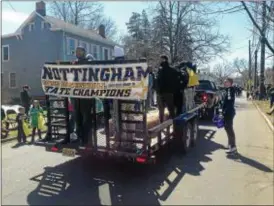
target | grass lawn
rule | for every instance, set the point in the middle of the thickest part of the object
(264, 106)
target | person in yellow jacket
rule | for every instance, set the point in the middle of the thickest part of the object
(193, 76)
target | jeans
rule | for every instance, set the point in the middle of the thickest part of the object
(33, 133)
(83, 118)
(21, 134)
(166, 100)
(178, 102)
(26, 106)
(271, 101)
(72, 122)
(228, 121)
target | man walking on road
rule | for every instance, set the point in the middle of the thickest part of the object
(229, 114)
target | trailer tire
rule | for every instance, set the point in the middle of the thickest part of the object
(194, 132)
(186, 138)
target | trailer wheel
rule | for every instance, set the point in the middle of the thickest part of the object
(186, 138)
(194, 132)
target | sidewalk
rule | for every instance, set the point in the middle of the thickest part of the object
(263, 108)
(9, 139)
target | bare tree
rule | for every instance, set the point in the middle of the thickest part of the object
(269, 17)
(110, 25)
(241, 66)
(223, 71)
(269, 76)
(179, 30)
(82, 13)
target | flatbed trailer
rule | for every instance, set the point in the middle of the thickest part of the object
(137, 133)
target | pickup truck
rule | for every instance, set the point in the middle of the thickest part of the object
(208, 93)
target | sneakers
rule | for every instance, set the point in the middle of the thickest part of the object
(227, 147)
(232, 150)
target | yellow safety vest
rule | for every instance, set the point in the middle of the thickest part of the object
(193, 78)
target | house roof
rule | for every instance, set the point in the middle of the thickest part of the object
(58, 24)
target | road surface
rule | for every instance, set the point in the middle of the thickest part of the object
(204, 176)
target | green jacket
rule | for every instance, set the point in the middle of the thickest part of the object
(34, 114)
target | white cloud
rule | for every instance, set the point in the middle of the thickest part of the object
(14, 17)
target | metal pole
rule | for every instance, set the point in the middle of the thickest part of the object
(262, 78)
(255, 69)
(249, 60)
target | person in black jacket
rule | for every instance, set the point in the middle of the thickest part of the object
(165, 88)
(151, 93)
(21, 136)
(25, 98)
(180, 82)
(3, 115)
(82, 107)
(229, 114)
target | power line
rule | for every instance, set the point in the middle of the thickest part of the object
(11, 6)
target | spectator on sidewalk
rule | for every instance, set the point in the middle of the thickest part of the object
(35, 112)
(4, 124)
(25, 98)
(21, 116)
(3, 115)
(271, 95)
(229, 114)
(271, 111)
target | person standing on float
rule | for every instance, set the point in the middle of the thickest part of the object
(82, 107)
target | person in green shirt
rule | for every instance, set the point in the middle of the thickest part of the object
(34, 113)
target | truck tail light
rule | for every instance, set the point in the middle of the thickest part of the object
(54, 149)
(204, 97)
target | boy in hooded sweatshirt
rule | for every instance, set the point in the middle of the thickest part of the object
(229, 114)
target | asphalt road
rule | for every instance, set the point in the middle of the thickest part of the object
(32, 176)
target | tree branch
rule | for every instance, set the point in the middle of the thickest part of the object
(258, 27)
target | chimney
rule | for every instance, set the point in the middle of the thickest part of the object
(41, 8)
(102, 31)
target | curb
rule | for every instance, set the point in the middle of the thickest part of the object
(15, 138)
(270, 125)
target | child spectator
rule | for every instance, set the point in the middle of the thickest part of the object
(35, 111)
(21, 116)
(229, 114)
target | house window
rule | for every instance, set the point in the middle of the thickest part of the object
(71, 46)
(12, 80)
(31, 26)
(43, 25)
(5, 53)
(106, 53)
(95, 51)
(84, 45)
(112, 53)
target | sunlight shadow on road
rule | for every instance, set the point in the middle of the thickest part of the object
(80, 181)
(250, 162)
(17, 145)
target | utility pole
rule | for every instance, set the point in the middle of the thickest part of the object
(255, 69)
(249, 65)
(262, 87)
(249, 60)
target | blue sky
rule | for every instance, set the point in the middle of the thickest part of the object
(235, 25)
